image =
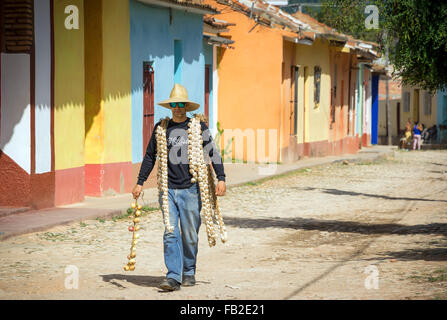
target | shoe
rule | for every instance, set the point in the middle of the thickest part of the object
(169, 285)
(189, 281)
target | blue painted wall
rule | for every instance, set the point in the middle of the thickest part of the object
(375, 109)
(152, 39)
(441, 115)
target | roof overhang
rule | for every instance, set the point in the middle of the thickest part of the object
(184, 6)
(305, 41)
(211, 29)
(274, 15)
(216, 40)
(332, 37)
(365, 56)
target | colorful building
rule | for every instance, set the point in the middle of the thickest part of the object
(79, 82)
(166, 47)
(291, 80)
(397, 119)
(430, 109)
(42, 104)
(249, 88)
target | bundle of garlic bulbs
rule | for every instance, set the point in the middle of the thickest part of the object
(201, 172)
(134, 228)
(162, 173)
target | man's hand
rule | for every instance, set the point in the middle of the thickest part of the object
(221, 188)
(137, 191)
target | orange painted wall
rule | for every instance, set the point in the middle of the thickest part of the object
(250, 77)
(340, 60)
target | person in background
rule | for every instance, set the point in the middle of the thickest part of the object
(406, 138)
(417, 131)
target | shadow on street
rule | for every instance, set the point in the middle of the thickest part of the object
(337, 226)
(142, 281)
(353, 193)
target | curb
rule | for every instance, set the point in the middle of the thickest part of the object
(374, 159)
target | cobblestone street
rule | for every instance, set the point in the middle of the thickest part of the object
(312, 234)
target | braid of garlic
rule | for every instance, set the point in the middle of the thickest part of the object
(215, 206)
(162, 173)
(195, 154)
(202, 171)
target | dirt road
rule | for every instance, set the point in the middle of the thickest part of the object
(346, 231)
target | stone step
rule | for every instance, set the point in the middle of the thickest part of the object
(434, 146)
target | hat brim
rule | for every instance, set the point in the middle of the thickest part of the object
(190, 106)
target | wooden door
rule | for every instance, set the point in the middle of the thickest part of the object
(305, 99)
(416, 105)
(148, 104)
(294, 94)
(342, 106)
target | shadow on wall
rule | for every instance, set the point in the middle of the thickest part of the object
(17, 73)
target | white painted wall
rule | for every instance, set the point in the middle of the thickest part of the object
(15, 127)
(43, 85)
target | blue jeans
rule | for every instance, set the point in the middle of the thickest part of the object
(180, 249)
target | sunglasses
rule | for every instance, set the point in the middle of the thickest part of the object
(178, 104)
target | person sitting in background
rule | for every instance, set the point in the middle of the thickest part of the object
(406, 138)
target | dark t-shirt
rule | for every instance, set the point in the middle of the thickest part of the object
(179, 176)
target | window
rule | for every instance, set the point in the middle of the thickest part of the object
(16, 26)
(406, 101)
(317, 82)
(427, 103)
(178, 57)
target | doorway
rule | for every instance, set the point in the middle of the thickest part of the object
(148, 103)
(305, 99)
(294, 86)
(416, 105)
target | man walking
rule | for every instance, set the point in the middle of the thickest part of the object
(183, 196)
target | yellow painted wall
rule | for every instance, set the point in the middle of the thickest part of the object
(108, 84)
(382, 117)
(339, 58)
(428, 120)
(117, 82)
(315, 123)
(68, 88)
(94, 106)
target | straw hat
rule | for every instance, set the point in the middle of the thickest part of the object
(179, 94)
